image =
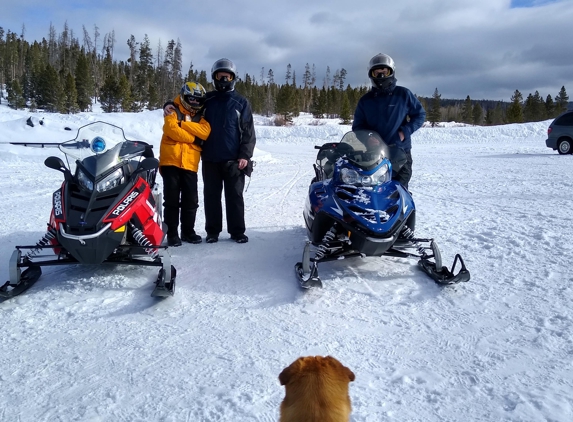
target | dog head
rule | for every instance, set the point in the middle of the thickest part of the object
(316, 389)
(321, 367)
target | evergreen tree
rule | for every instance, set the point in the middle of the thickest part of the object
(286, 102)
(561, 101)
(514, 113)
(84, 84)
(318, 108)
(110, 97)
(15, 95)
(124, 94)
(467, 111)
(71, 95)
(477, 114)
(549, 107)
(345, 113)
(534, 108)
(51, 95)
(434, 114)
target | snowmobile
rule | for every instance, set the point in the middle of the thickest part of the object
(355, 209)
(107, 211)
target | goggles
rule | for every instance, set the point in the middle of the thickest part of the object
(224, 78)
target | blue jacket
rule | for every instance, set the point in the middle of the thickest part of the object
(232, 127)
(385, 112)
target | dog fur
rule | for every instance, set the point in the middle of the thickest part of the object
(316, 390)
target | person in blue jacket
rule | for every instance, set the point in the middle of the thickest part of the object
(391, 110)
(226, 156)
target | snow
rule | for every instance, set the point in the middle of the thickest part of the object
(90, 344)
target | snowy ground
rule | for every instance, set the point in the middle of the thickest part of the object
(90, 344)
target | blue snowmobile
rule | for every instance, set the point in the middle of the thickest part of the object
(355, 209)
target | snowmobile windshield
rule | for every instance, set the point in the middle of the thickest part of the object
(100, 138)
(364, 148)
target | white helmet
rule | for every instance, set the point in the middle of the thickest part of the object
(380, 61)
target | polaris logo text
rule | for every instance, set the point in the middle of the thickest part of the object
(125, 203)
(58, 203)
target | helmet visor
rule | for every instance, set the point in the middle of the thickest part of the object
(225, 78)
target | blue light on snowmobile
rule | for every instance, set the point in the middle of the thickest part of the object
(97, 144)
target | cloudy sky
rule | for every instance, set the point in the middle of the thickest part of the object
(484, 49)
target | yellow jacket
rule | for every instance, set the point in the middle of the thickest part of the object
(177, 147)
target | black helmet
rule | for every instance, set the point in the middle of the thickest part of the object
(192, 96)
(380, 61)
(224, 83)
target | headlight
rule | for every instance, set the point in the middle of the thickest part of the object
(85, 182)
(382, 175)
(113, 180)
(349, 176)
(352, 177)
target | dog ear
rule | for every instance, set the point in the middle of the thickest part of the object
(350, 374)
(284, 376)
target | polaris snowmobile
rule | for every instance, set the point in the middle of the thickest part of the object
(355, 209)
(107, 211)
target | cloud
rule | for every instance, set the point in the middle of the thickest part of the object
(486, 49)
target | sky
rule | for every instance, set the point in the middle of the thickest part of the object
(485, 49)
(90, 344)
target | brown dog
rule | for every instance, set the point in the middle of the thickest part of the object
(316, 390)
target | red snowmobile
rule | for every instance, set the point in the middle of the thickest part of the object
(107, 211)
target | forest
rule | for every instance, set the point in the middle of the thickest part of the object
(60, 74)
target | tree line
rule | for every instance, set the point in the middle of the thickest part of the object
(61, 74)
(486, 112)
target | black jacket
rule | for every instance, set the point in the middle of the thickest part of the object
(232, 127)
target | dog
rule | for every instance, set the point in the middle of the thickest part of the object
(316, 390)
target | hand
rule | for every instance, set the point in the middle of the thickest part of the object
(401, 135)
(169, 108)
(242, 163)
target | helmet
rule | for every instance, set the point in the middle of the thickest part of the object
(224, 84)
(192, 96)
(380, 61)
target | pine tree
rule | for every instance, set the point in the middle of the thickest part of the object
(549, 107)
(345, 113)
(110, 95)
(434, 114)
(467, 111)
(84, 83)
(477, 114)
(514, 113)
(15, 95)
(561, 101)
(71, 95)
(51, 95)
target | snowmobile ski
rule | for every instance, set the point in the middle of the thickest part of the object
(27, 280)
(442, 275)
(162, 288)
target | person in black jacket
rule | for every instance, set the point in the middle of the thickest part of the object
(392, 111)
(226, 153)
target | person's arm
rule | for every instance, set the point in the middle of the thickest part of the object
(359, 122)
(417, 117)
(248, 137)
(187, 132)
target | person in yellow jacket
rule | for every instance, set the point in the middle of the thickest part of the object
(184, 131)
